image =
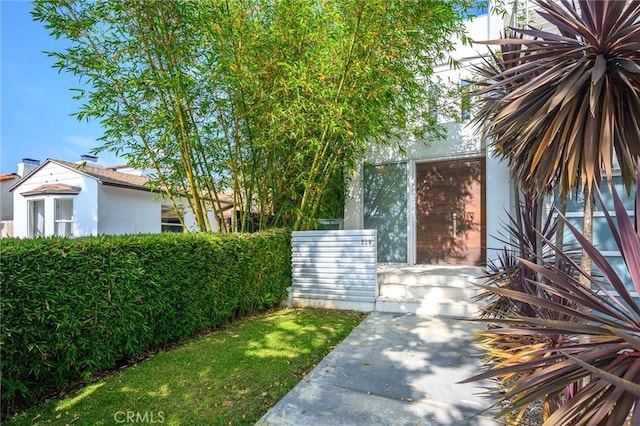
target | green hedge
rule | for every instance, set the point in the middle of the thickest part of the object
(73, 307)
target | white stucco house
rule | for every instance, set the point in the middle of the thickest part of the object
(445, 201)
(7, 181)
(439, 201)
(66, 199)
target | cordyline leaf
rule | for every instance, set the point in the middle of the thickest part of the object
(546, 380)
(509, 41)
(599, 68)
(535, 300)
(585, 296)
(629, 66)
(617, 397)
(637, 205)
(552, 378)
(591, 61)
(543, 383)
(600, 303)
(629, 239)
(603, 265)
(627, 385)
(518, 368)
(573, 285)
(568, 88)
(576, 409)
(565, 327)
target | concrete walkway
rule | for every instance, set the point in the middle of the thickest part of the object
(393, 369)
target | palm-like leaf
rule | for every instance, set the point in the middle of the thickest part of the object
(610, 317)
(507, 272)
(559, 104)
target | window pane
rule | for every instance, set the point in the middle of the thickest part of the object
(575, 201)
(36, 218)
(63, 217)
(63, 229)
(385, 209)
(170, 221)
(64, 209)
(628, 199)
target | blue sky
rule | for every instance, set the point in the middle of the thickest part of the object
(36, 102)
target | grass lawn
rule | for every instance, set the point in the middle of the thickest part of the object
(228, 377)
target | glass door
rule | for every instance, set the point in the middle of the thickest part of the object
(385, 209)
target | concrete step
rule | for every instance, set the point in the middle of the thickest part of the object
(449, 276)
(420, 278)
(428, 289)
(403, 291)
(427, 308)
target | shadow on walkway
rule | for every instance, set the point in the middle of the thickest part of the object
(393, 369)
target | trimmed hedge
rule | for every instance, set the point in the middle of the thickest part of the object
(74, 307)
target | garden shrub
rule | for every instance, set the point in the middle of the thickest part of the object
(74, 307)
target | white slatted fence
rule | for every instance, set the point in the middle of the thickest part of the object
(334, 269)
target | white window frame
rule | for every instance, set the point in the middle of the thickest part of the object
(32, 231)
(57, 220)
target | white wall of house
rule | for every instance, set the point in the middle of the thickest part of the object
(127, 211)
(462, 141)
(499, 197)
(85, 214)
(500, 201)
(190, 221)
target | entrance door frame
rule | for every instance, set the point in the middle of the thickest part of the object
(412, 189)
(412, 219)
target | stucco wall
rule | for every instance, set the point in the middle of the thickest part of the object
(85, 215)
(461, 141)
(128, 211)
(190, 220)
(499, 197)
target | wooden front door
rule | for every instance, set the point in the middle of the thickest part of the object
(450, 212)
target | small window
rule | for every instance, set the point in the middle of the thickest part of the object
(36, 218)
(170, 220)
(63, 220)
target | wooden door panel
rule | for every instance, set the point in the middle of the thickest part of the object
(450, 212)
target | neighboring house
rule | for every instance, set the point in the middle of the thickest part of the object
(61, 198)
(7, 180)
(440, 201)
